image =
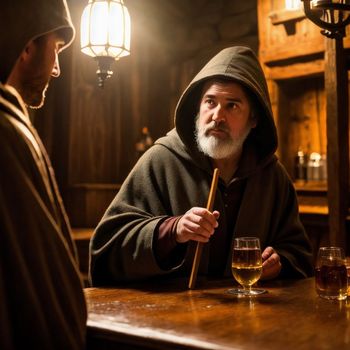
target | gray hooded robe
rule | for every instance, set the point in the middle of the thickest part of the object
(174, 176)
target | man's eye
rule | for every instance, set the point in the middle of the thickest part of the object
(210, 102)
(232, 105)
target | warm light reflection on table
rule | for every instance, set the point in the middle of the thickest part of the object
(169, 316)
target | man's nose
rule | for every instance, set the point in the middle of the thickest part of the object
(56, 71)
(219, 114)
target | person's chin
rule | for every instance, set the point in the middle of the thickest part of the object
(39, 99)
(37, 104)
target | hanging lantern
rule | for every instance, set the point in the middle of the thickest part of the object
(105, 34)
(331, 15)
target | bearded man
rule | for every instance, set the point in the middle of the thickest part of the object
(223, 120)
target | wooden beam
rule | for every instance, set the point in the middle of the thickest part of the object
(336, 86)
(275, 54)
(295, 70)
(283, 16)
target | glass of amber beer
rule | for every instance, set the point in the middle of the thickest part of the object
(246, 265)
(331, 274)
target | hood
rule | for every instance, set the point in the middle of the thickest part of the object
(24, 20)
(241, 65)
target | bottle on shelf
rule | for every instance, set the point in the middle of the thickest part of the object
(317, 167)
(300, 173)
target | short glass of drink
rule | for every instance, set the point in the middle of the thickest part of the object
(246, 265)
(331, 274)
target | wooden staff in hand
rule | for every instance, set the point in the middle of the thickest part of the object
(197, 256)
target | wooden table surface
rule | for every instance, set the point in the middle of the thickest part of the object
(169, 316)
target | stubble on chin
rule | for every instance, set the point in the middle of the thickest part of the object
(37, 99)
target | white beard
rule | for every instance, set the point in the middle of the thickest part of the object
(217, 148)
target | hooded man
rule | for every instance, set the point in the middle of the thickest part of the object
(41, 292)
(223, 120)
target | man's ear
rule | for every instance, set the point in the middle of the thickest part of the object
(27, 51)
(17, 70)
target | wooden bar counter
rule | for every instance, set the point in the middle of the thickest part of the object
(167, 316)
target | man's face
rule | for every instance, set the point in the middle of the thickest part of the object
(41, 64)
(224, 119)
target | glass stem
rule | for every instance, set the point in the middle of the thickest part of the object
(247, 289)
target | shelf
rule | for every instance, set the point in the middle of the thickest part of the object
(311, 187)
(313, 209)
(284, 16)
(312, 197)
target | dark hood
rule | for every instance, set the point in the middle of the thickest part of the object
(24, 20)
(241, 65)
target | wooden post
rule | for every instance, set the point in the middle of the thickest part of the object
(336, 87)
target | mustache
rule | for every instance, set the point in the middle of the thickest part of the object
(213, 125)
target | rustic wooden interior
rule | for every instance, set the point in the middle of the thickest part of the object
(91, 133)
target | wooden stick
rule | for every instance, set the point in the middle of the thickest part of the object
(197, 256)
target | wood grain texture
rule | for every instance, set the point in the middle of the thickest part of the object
(308, 79)
(168, 316)
(336, 85)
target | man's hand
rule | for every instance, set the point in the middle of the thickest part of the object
(197, 224)
(271, 266)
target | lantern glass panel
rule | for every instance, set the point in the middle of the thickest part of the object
(84, 27)
(116, 25)
(99, 24)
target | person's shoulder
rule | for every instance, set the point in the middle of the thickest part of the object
(274, 164)
(164, 148)
(157, 157)
(8, 129)
(281, 169)
(14, 134)
(277, 172)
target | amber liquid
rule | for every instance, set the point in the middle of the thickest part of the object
(246, 265)
(331, 281)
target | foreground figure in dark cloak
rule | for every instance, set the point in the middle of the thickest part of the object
(41, 293)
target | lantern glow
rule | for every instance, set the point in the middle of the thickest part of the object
(105, 33)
